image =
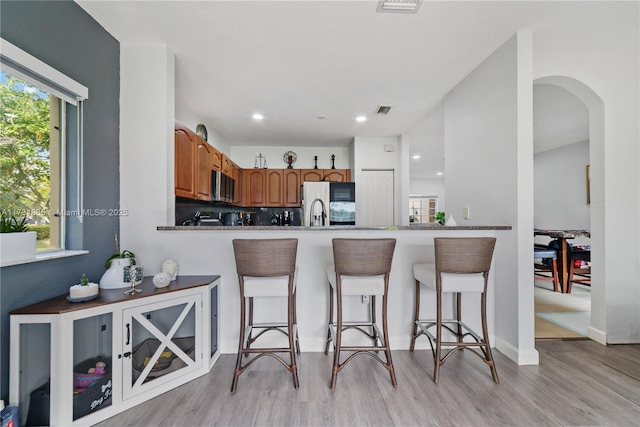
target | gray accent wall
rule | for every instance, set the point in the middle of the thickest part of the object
(63, 35)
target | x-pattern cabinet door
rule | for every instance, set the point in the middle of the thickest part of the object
(161, 342)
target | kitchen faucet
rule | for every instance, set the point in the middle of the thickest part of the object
(312, 211)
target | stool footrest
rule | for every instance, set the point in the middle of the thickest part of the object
(425, 325)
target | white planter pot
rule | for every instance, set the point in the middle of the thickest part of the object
(17, 246)
(113, 277)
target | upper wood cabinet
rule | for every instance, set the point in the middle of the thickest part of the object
(291, 187)
(216, 159)
(204, 165)
(193, 162)
(337, 175)
(271, 187)
(254, 186)
(227, 165)
(274, 187)
(314, 175)
(184, 162)
(333, 175)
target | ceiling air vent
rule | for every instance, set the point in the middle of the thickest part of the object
(401, 6)
(383, 109)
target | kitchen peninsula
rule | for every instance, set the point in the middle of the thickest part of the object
(209, 249)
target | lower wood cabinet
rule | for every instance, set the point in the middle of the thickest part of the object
(148, 344)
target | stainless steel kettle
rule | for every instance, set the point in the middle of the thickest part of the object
(231, 219)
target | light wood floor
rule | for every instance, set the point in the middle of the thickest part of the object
(577, 383)
(547, 301)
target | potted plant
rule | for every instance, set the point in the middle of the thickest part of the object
(114, 276)
(17, 243)
(84, 290)
(440, 218)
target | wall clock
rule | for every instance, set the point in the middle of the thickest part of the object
(201, 131)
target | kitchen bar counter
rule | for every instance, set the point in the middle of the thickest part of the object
(209, 250)
(331, 228)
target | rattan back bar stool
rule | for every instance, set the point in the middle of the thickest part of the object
(361, 267)
(266, 268)
(461, 265)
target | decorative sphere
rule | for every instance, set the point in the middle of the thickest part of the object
(171, 267)
(161, 280)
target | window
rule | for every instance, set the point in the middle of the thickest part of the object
(30, 158)
(422, 209)
(40, 146)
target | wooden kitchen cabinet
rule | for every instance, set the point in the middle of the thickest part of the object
(194, 160)
(291, 188)
(54, 342)
(202, 176)
(333, 175)
(273, 188)
(314, 175)
(227, 165)
(337, 175)
(184, 162)
(216, 159)
(254, 187)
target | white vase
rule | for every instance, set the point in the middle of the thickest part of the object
(17, 246)
(450, 221)
(113, 278)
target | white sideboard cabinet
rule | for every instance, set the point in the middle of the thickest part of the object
(143, 346)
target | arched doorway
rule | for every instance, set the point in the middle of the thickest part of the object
(595, 106)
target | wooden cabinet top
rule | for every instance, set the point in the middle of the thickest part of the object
(60, 305)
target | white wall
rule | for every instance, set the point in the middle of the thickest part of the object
(432, 187)
(146, 145)
(245, 156)
(560, 189)
(489, 168)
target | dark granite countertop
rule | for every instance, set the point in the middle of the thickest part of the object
(331, 228)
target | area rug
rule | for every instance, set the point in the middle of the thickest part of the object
(577, 322)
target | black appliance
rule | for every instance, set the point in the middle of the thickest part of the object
(223, 187)
(342, 203)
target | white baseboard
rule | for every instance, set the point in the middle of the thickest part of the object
(597, 335)
(521, 357)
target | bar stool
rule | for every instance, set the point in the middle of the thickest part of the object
(361, 267)
(461, 265)
(539, 270)
(266, 268)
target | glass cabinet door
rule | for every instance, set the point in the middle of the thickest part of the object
(161, 343)
(92, 364)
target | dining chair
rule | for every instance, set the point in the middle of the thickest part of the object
(549, 264)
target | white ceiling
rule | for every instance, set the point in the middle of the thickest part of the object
(295, 60)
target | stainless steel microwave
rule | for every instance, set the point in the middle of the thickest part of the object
(223, 187)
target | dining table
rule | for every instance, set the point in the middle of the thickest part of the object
(562, 236)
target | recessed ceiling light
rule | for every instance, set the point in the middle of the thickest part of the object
(257, 116)
(439, 173)
(416, 156)
(361, 119)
